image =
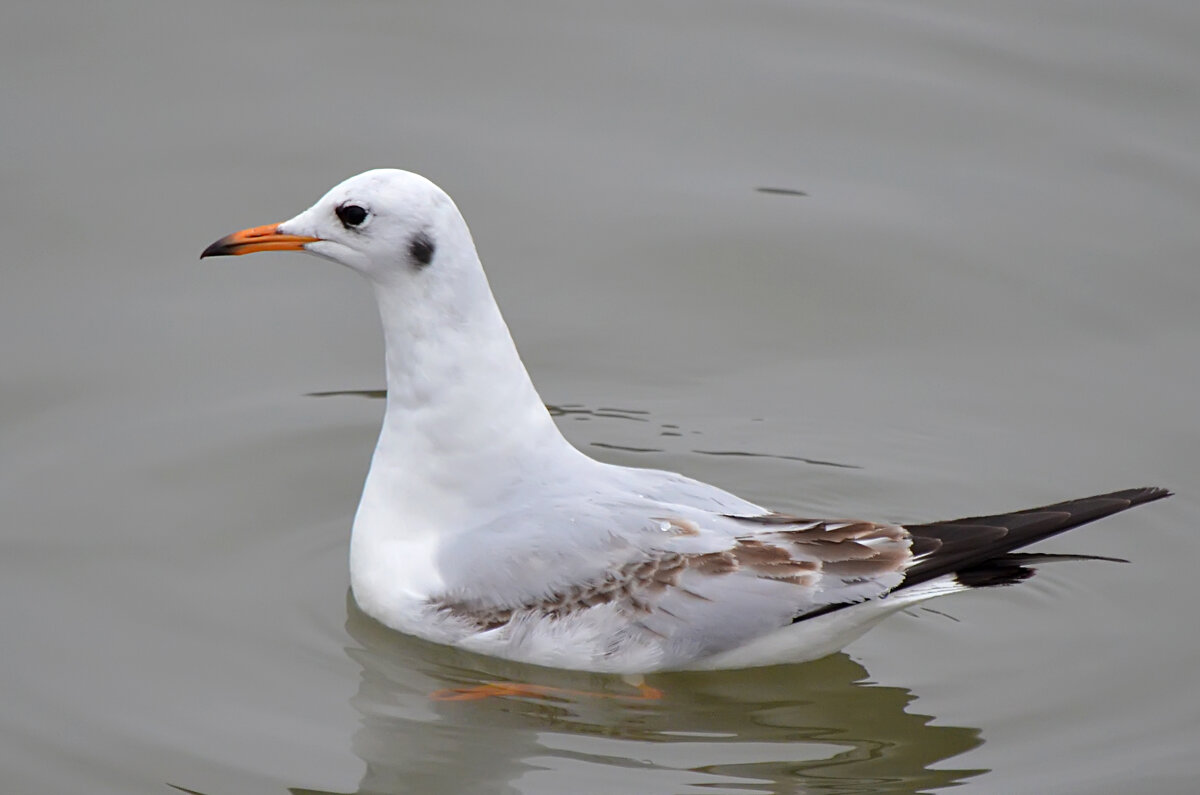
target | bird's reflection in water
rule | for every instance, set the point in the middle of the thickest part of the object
(818, 727)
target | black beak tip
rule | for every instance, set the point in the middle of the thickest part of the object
(221, 248)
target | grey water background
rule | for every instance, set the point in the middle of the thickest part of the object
(988, 300)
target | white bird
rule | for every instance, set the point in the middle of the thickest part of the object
(480, 526)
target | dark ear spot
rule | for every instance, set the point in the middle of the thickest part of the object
(421, 248)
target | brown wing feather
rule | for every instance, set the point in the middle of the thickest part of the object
(797, 554)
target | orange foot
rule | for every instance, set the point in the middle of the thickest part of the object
(495, 689)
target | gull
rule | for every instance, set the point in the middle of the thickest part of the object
(480, 526)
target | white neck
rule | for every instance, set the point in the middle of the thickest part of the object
(464, 424)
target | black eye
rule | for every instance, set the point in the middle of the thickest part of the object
(421, 249)
(351, 215)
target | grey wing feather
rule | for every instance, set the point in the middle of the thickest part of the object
(687, 581)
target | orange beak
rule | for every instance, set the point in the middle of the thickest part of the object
(258, 238)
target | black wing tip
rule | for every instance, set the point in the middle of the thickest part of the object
(1144, 494)
(994, 562)
(979, 550)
